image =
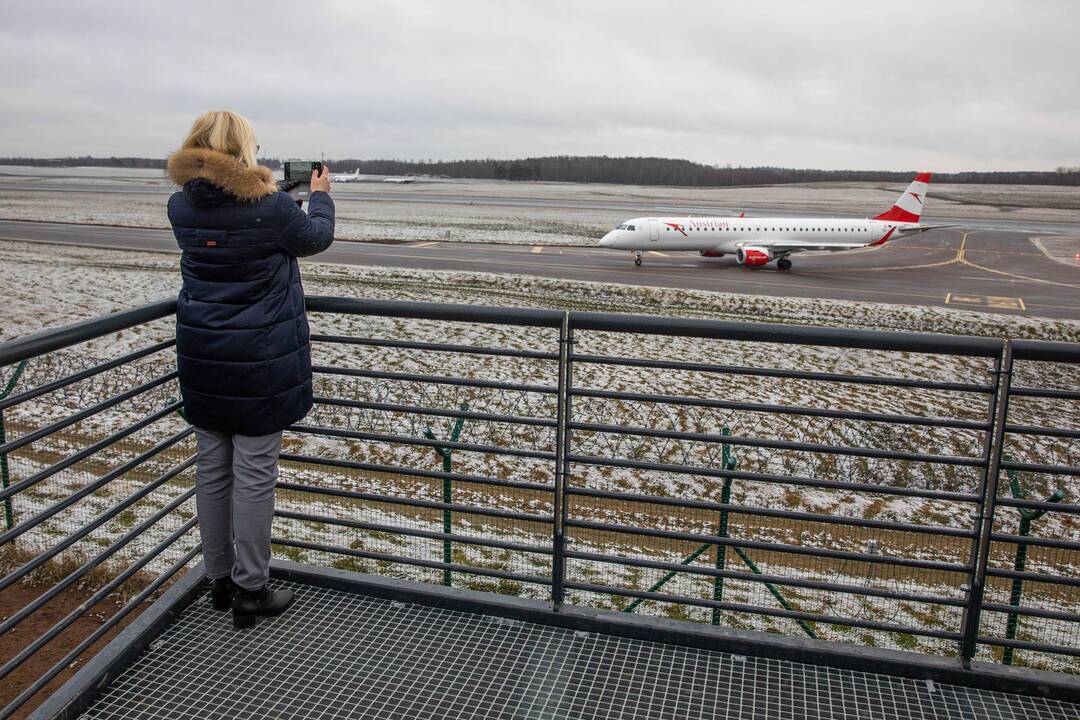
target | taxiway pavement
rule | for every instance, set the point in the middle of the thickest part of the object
(991, 271)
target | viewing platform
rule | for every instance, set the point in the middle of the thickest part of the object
(511, 513)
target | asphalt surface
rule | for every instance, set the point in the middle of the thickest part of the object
(1001, 272)
(352, 192)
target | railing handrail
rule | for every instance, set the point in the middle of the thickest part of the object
(1046, 350)
(447, 312)
(58, 338)
(52, 339)
(661, 325)
(938, 344)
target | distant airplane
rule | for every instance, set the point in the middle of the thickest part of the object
(355, 176)
(402, 179)
(757, 241)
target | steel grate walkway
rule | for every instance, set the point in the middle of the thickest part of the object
(342, 655)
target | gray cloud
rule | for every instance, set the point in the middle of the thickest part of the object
(938, 85)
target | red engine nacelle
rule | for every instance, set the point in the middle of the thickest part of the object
(711, 253)
(753, 256)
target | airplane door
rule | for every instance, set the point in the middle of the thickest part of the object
(654, 230)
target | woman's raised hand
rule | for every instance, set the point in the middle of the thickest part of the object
(321, 181)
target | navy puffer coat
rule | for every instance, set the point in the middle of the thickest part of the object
(242, 340)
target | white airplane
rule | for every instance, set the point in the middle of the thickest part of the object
(354, 176)
(400, 179)
(757, 241)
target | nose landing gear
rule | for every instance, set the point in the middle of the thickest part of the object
(637, 258)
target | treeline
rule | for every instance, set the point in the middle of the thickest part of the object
(86, 161)
(666, 171)
(121, 162)
(604, 169)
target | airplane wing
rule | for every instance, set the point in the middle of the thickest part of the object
(791, 246)
(923, 228)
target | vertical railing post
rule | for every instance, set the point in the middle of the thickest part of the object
(999, 411)
(5, 476)
(562, 465)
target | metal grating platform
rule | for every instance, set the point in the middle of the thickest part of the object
(342, 655)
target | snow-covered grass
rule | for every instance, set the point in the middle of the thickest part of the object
(51, 285)
(468, 218)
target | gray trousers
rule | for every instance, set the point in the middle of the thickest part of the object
(234, 494)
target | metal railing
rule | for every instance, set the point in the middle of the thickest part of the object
(591, 460)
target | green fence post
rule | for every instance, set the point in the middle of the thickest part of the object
(447, 490)
(1027, 516)
(728, 463)
(5, 477)
(664, 580)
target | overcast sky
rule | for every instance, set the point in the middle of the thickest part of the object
(944, 85)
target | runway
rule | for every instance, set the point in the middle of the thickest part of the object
(1001, 272)
(410, 194)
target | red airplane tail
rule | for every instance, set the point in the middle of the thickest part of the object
(910, 205)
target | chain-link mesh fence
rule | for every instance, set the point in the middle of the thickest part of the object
(823, 486)
(97, 506)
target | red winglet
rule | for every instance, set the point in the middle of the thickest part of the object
(923, 177)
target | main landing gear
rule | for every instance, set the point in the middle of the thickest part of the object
(783, 264)
(637, 258)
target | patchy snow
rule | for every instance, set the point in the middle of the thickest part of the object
(53, 285)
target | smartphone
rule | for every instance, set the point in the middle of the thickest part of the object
(300, 170)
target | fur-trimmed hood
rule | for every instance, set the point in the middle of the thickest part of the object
(224, 171)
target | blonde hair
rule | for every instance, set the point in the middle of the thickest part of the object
(226, 132)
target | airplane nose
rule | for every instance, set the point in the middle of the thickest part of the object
(608, 240)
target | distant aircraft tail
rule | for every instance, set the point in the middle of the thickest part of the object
(910, 205)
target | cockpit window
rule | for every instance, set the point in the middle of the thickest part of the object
(630, 227)
(621, 227)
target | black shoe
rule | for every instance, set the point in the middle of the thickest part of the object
(222, 591)
(248, 605)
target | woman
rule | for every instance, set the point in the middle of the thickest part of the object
(242, 344)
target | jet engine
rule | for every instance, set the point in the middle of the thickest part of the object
(753, 256)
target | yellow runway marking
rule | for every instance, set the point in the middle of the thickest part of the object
(654, 252)
(966, 299)
(991, 301)
(426, 244)
(1008, 303)
(959, 258)
(1020, 277)
(538, 248)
